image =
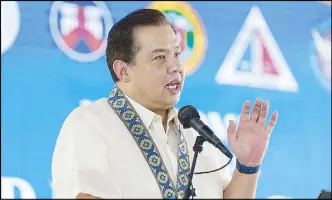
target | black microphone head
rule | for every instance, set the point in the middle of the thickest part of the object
(187, 113)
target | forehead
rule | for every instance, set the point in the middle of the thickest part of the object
(151, 37)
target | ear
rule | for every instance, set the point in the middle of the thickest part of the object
(120, 68)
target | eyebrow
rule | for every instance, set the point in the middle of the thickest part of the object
(161, 50)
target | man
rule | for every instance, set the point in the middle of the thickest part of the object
(132, 144)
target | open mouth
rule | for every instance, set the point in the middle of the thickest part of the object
(173, 87)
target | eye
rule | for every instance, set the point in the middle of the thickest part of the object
(177, 54)
(160, 57)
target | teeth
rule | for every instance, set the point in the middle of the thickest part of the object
(172, 86)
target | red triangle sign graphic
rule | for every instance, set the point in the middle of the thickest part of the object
(268, 63)
(269, 69)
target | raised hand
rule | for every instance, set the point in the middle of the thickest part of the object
(250, 140)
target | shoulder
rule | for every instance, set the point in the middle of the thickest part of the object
(81, 133)
(90, 111)
(95, 114)
(87, 121)
(80, 151)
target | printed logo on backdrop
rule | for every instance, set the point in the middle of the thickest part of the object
(255, 60)
(10, 186)
(80, 29)
(321, 53)
(10, 24)
(191, 30)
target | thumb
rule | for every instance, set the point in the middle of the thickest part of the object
(231, 132)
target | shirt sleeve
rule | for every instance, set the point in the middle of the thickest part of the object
(80, 160)
(225, 173)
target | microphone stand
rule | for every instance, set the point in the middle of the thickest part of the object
(190, 191)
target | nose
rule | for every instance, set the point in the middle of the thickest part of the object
(175, 65)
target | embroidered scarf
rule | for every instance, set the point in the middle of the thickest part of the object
(144, 141)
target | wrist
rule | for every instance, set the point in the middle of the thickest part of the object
(247, 169)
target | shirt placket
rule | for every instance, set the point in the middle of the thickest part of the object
(161, 138)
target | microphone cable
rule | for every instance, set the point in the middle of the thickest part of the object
(215, 170)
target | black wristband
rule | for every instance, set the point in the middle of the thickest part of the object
(245, 169)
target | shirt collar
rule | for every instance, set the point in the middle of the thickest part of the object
(172, 115)
(147, 115)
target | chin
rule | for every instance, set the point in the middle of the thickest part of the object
(173, 100)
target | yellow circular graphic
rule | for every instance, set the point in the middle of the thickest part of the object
(190, 27)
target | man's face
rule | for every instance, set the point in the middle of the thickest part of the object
(157, 75)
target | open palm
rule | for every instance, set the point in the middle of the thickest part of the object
(250, 140)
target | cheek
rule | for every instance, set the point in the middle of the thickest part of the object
(157, 76)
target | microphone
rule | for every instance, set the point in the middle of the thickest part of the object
(189, 117)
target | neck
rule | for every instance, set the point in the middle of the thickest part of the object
(136, 97)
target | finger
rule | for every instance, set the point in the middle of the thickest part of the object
(263, 113)
(245, 111)
(256, 110)
(231, 133)
(231, 127)
(272, 122)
